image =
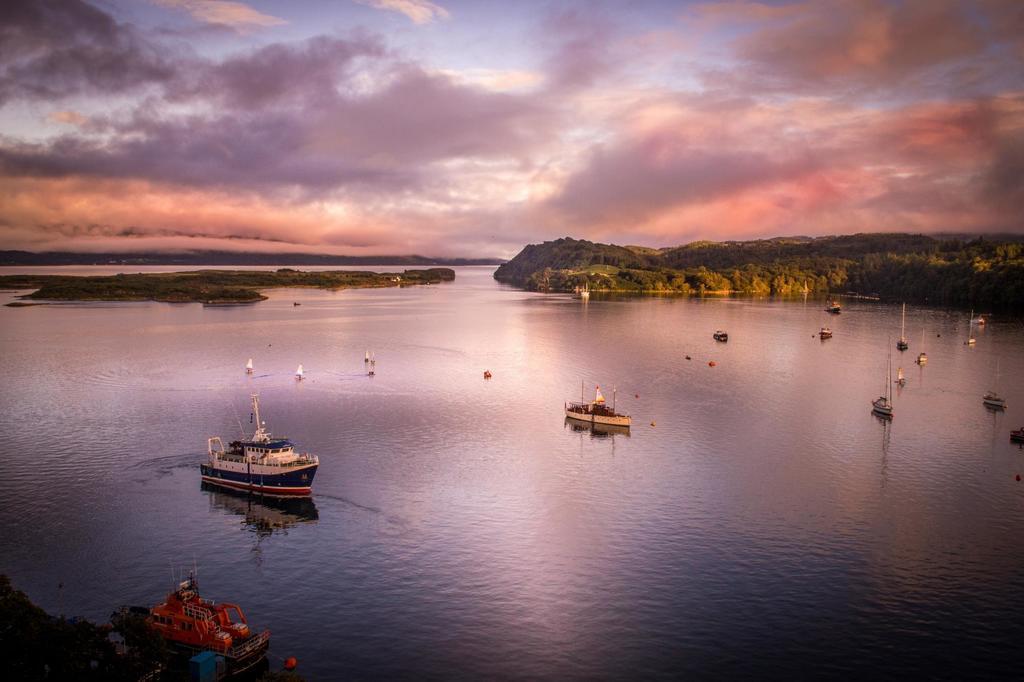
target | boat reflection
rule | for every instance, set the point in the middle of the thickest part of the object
(597, 430)
(263, 515)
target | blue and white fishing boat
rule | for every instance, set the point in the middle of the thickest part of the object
(260, 464)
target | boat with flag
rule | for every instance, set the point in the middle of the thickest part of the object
(596, 411)
(260, 464)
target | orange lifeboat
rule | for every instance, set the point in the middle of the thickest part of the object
(191, 625)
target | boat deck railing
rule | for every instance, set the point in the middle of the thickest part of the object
(197, 612)
(298, 460)
(250, 645)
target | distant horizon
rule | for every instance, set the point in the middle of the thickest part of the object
(291, 257)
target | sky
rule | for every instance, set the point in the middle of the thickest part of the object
(471, 128)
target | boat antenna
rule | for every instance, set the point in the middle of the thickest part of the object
(583, 391)
(234, 408)
(615, 392)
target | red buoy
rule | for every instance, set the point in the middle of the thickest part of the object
(712, 363)
(290, 663)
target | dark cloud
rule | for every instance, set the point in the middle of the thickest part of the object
(386, 139)
(1004, 181)
(285, 116)
(277, 73)
(50, 49)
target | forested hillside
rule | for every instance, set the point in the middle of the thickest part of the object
(984, 272)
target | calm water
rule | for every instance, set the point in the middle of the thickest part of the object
(768, 525)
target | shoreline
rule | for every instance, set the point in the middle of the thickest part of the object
(209, 287)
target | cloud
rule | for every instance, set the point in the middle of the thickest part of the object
(711, 167)
(913, 47)
(236, 15)
(69, 118)
(277, 73)
(53, 49)
(579, 51)
(419, 11)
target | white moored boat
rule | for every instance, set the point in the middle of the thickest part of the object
(248, 367)
(882, 405)
(596, 411)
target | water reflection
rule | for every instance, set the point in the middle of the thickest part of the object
(263, 515)
(597, 430)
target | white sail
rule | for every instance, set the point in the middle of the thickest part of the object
(248, 365)
(598, 397)
(299, 372)
(366, 356)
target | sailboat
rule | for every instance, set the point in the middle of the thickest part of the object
(366, 356)
(993, 399)
(585, 293)
(373, 367)
(299, 374)
(970, 330)
(900, 379)
(902, 343)
(248, 367)
(922, 357)
(882, 406)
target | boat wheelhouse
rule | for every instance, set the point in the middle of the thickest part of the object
(596, 411)
(192, 625)
(260, 464)
(720, 335)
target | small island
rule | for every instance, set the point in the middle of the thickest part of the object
(207, 286)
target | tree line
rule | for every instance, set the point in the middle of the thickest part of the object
(982, 272)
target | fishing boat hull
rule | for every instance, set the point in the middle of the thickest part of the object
(606, 420)
(287, 481)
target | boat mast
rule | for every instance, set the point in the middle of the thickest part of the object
(256, 412)
(888, 380)
(903, 323)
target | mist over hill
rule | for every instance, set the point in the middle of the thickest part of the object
(223, 258)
